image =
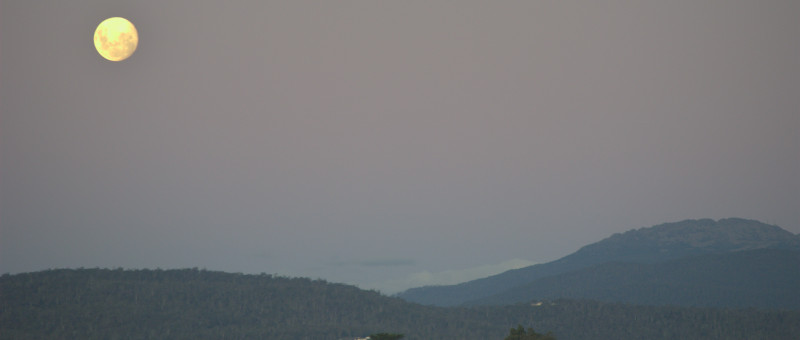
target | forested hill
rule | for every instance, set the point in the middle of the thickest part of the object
(183, 304)
(760, 278)
(661, 243)
(197, 304)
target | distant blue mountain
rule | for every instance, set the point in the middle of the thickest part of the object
(761, 278)
(646, 246)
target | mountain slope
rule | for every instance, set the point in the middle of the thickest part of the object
(196, 304)
(646, 245)
(192, 304)
(761, 278)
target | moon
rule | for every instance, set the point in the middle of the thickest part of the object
(116, 39)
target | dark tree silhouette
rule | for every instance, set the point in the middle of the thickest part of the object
(519, 333)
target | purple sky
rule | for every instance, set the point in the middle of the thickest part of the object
(388, 143)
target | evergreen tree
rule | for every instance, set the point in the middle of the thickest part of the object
(519, 333)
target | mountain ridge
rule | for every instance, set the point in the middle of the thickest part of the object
(760, 278)
(659, 243)
(199, 304)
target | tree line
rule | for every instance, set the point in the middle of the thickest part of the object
(191, 303)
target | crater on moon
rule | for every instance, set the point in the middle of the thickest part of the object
(116, 39)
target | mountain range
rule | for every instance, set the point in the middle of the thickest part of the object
(199, 304)
(726, 263)
(662, 282)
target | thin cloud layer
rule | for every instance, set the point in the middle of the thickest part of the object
(448, 277)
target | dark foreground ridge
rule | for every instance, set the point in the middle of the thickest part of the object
(198, 304)
(633, 257)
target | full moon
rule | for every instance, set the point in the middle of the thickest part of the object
(116, 39)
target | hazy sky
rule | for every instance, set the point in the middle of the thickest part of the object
(388, 143)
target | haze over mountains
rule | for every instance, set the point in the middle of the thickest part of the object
(730, 262)
(662, 282)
